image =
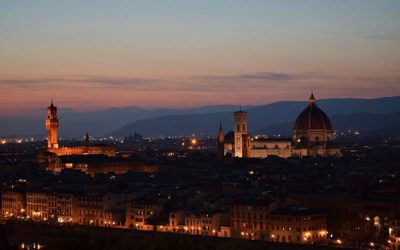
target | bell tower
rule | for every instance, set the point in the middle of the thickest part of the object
(52, 126)
(240, 130)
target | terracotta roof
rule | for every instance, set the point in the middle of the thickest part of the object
(312, 117)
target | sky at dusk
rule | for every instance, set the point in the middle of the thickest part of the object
(91, 55)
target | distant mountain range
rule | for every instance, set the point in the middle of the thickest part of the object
(345, 114)
(97, 123)
(274, 118)
(361, 122)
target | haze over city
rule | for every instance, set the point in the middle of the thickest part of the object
(180, 54)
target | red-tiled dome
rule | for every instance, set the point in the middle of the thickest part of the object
(312, 118)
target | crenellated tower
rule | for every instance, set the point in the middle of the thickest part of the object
(52, 125)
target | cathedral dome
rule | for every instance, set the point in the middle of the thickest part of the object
(312, 118)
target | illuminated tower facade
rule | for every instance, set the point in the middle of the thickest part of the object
(221, 142)
(240, 131)
(52, 126)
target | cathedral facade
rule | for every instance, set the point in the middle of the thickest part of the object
(312, 136)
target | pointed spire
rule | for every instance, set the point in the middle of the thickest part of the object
(220, 134)
(220, 131)
(221, 138)
(240, 106)
(311, 100)
(87, 138)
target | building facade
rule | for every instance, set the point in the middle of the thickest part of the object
(205, 223)
(100, 210)
(61, 207)
(12, 203)
(139, 211)
(298, 225)
(312, 136)
(394, 234)
(37, 205)
(249, 218)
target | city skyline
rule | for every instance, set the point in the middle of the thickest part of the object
(228, 124)
(180, 55)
